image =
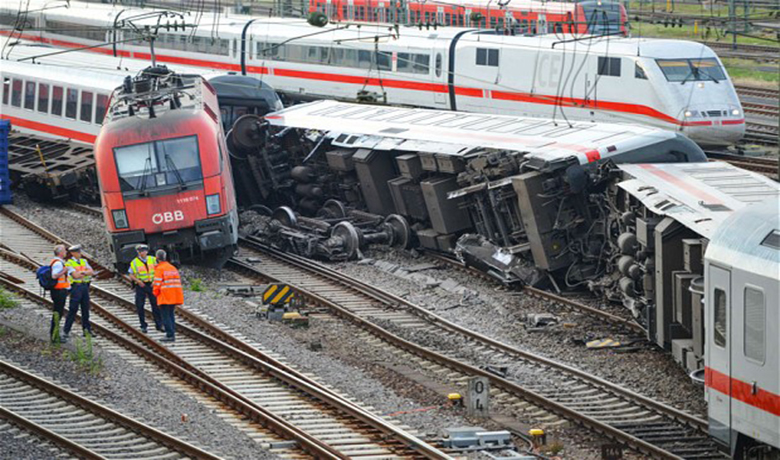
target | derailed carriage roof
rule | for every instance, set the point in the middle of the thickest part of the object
(750, 240)
(701, 196)
(458, 134)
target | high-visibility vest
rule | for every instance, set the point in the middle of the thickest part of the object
(167, 285)
(80, 265)
(62, 281)
(143, 271)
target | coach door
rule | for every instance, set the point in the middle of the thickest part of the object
(718, 373)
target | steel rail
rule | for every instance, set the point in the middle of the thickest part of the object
(239, 350)
(512, 387)
(224, 342)
(609, 317)
(101, 411)
(65, 443)
(166, 360)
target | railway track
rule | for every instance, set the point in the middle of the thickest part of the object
(646, 425)
(80, 426)
(768, 166)
(218, 362)
(765, 93)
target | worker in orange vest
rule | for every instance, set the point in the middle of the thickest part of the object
(59, 294)
(167, 289)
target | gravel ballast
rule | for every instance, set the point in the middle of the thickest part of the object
(119, 384)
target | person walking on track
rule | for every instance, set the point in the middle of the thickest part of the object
(80, 273)
(59, 294)
(141, 272)
(167, 289)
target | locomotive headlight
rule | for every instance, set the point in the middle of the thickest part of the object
(735, 112)
(212, 204)
(120, 218)
(688, 114)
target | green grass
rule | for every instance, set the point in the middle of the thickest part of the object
(197, 285)
(7, 300)
(743, 71)
(686, 32)
(720, 9)
(84, 355)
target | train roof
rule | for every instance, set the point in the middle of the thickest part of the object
(749, 240)
(459, 134)
(701, 196)
(231, 26)
(97, 79)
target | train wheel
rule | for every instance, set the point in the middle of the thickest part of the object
(400, 230)
(286, 216)
(333, 209)
(349, 235)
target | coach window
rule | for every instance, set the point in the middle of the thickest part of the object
(16, 93)
(6, 90)
(438, 64)
(384, 60)
(487, 57)
(56, 100)
(755, 325)
(609, 66)
(71, 103)
(720, 314)
(86, 106)
(29, 95)
(100, 108)
(43, 97)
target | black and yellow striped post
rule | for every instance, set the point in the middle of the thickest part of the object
(278, 294)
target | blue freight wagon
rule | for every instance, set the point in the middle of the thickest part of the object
(5, 179)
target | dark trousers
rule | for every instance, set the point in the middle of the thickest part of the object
(58, 297)
(79, 297)
(169, 320)
(141, 294)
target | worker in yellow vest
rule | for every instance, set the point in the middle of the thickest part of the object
(80, 274)
(141, 272)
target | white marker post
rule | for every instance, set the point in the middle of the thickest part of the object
(479, 397)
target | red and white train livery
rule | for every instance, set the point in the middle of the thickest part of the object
(513, 16)
(676, 85)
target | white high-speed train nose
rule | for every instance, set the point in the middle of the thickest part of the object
(714, 124)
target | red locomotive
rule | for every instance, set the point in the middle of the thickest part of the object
(513, 16)
(164, 171)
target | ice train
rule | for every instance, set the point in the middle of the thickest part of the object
(676, 85)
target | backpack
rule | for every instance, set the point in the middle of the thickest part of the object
(43, 274)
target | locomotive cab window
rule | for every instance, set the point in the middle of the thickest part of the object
(755, 325)
(609, 66)
(720, 305)
(639, 72)
(684, 70)
(170, 164)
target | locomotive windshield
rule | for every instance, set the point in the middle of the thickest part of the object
(159, 165)
(684, 70)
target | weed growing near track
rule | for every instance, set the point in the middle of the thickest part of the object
(197, 285)
(7, 300)
(84, 355)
